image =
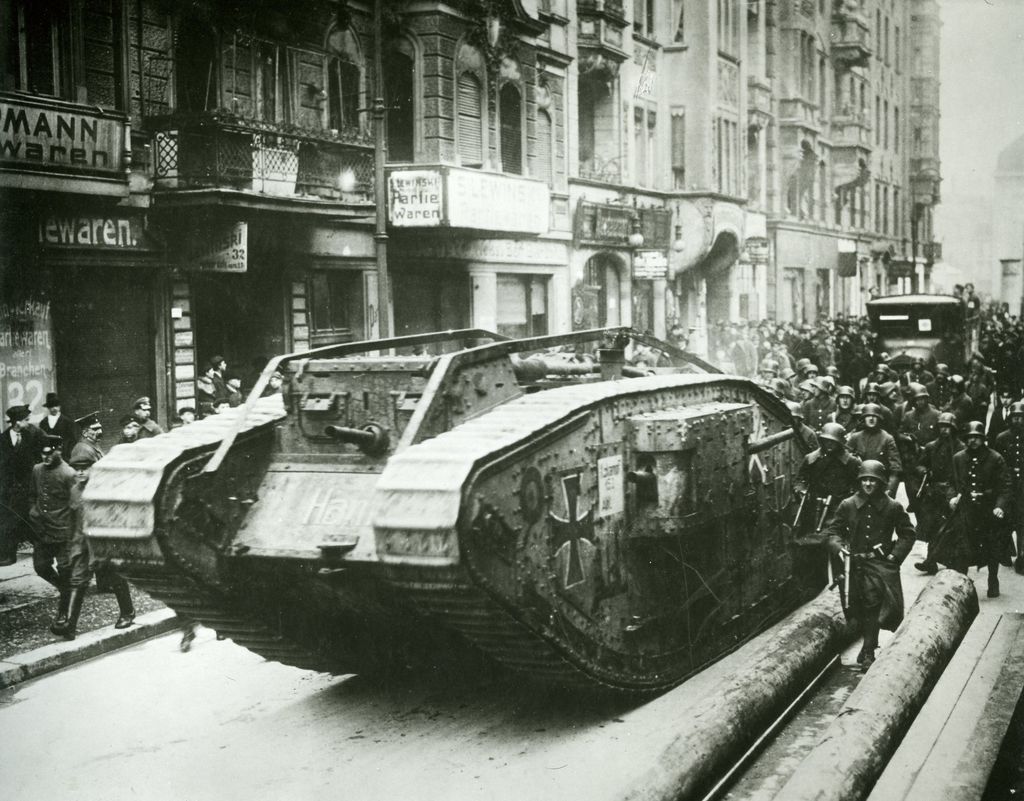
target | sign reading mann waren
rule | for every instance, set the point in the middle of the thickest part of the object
(74, 139)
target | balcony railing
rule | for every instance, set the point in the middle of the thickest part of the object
(224, 151)
(597, 169)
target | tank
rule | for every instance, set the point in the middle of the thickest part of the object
(582, 520)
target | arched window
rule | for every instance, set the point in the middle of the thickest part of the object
(344, 80)
(510, 109)
(545, 165)
(399, 96)
(470, 114)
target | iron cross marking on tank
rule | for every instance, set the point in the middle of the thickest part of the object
(572, 529)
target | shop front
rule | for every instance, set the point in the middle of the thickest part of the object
(81, 289)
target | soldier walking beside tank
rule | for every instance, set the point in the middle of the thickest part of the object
(1010, 445)
(827, 476)
(85, 454)
(935, 487)
(982, 485)
(50, 493)
(862, 532)
(19, 451)
(874, 442)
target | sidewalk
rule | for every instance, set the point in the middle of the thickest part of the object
(27, 607)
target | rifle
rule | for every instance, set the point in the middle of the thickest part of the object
(924, 483)
(841, 582)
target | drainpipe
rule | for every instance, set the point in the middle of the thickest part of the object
(380, 235)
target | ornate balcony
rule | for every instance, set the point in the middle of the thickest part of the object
(222, 151)
(601, 38)
(851, 40)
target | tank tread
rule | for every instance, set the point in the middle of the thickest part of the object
(188, 599)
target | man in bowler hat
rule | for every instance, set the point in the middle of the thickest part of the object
(58, 424)
(19, 451)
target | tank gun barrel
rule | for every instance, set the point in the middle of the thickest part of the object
(371, 439)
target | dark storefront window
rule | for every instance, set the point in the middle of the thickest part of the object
(336, 306)
(522, 305)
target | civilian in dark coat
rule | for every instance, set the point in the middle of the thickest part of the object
(862, 529)
(57, 424)
(20, 445)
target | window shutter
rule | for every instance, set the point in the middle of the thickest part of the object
(544, 165)
(471, 145)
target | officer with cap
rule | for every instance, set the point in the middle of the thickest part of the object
(982, 484)
(142, 411)
(20, 444)
(862, 530)
(50, 494)
(86, 453)
(874, 442)
(935, 487)
(1010, 445)
(827, 476)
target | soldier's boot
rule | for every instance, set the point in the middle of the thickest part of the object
(63, 603)
(866, 657)
(126, 609)
(993, 579)
(927, 565)
(68, 630)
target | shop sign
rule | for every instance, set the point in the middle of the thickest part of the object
(415, 198)
(611, 224)
(650, 264)
(74, 139)
(105, 233)
(26, 353)
(494, 202)
(223, 249)
(465, 198)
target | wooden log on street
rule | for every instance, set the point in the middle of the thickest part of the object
(856, 747)
(718, 731)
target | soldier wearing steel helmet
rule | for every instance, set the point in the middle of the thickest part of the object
(843, 412)
(935, 472)
(874, 442)
(827, 476)
(1010, 445)
(982, 484)
(918, 426)
(804, 432)
(873, 394)
(862, 530)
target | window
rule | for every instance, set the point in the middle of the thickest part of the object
(726, 162)
(196, 67)
(897, 213)
(545, 162)
(643, 18)
(823, 85)
(399, 91)
(273, 83)
(344, 81)
(680, 35)
(896, 128)
(645, 125)
(511, 116)
(39, 44)
(728, 27)
(678, 148)
(878, 120)
(599, 128)
(878, 34)
(896, 50)
(885, 209)
(887, 40)
(335, 306)
(470, 126)
(885, 124)
(522, 305)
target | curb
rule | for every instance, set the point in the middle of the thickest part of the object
(49, 658)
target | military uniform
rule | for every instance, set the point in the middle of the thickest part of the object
(879, 445)
(936, 470)
(1010, 445)
(982, 482)
(50, 516)
(827, 479)
(917, 429)
(818, 411)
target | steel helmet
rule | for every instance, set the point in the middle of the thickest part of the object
(947, 419)
(801, 364)
(882, 368)
(870, 468)
(769, 364)
(919, 391)
(795, 409)
(834, 432)
(872, 386)
(956, 380)
(1016, 408)
(941, 369)
(845, 390)
(826, 383)
(858, 410)
(872, 408)
(975, 429)
(780, 386)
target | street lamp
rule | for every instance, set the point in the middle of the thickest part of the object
(636, 235)
(678, 244)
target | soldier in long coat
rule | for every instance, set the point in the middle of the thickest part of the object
(874, 442)
(918, 427)
(1010, 445)
(52, 483)
(982, 484)
(863, 529)
(935, 470)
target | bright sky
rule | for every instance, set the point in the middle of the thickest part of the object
(982, 89)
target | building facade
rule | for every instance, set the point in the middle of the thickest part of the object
(185, 179)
